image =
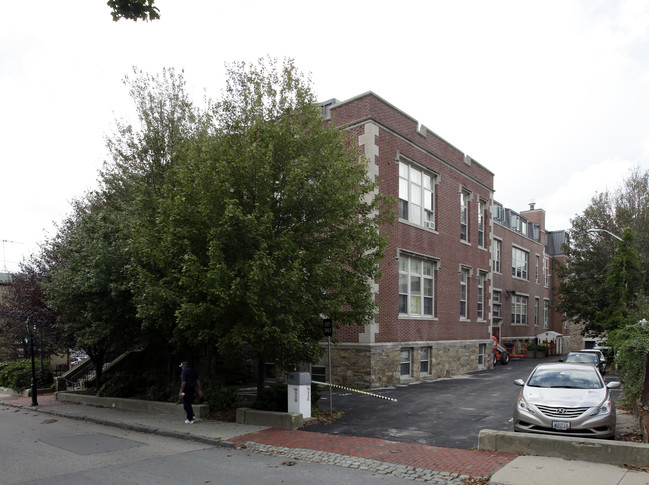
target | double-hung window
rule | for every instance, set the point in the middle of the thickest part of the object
(405, 362)
(546, 312)
(496, 304)
(416, 195)
(498, 250)
(481, 223)
(519, 310)
(464, 293)
(481, 285)
(464, 215)
(416, 286)
(424, 361)
(520, 260)
(546, 271)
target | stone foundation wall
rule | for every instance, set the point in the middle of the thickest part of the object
(366, 366)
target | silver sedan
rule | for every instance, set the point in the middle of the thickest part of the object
(565, 399)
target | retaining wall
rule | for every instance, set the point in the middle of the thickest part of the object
(200, 410)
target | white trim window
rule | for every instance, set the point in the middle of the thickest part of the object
(498, 251)
(536, 312)
(519, 310)
(464, 293)
(481, 286)
(520, 260)
(495, 307)
(416, 196)
(482, 349)
(537, 269)
(482, 215)
(546, 312)
(405, 362)
(464, 215)
(546, 271)
(416, 287)
(424, 361)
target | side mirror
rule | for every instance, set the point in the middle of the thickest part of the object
(521, 382)
(613, 385)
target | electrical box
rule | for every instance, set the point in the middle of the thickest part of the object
(299, 393)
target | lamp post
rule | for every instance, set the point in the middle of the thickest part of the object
(31, 345)
(596, 229)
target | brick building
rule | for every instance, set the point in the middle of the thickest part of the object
(434, 296)
(524, 280)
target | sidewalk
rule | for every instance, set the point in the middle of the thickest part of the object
(408, 460)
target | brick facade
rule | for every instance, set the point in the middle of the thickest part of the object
(450, 333)
(372, 356)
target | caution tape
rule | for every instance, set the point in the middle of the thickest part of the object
(355, 390)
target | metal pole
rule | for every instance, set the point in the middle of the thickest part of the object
(331, 406)
(34, 386)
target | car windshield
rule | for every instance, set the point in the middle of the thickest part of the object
(589, 358)
(585, 378)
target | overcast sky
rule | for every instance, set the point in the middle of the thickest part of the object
(553, 96)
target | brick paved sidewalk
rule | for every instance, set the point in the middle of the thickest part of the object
(44, 400)
(463, 462)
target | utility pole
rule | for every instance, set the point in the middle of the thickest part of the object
(4, 255)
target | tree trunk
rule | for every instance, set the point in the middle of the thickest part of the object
(261, 374)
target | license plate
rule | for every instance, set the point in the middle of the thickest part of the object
(561, 425)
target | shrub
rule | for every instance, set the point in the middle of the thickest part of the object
(316, 393)
(18, 375)
(273, 398)
(221, 397)
(118, 384)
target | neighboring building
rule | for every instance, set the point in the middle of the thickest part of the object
(525, 256)
(434, 296)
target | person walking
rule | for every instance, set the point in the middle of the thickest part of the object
(189, 382)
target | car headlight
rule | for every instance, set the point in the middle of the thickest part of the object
(523, 406)
(603, 409)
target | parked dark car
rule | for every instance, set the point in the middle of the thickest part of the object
(600, 356)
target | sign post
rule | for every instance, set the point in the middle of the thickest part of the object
(328, 331)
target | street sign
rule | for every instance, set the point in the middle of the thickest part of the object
(327, 327)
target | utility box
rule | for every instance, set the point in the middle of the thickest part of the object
(299, 393)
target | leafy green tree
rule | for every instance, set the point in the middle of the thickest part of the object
(86, 281)
(603, 277)
(133, 10)
(136, 179)
(266, 221)
(621, 285)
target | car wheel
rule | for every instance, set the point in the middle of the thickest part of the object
(504, 360)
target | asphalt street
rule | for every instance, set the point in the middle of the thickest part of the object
(445, 412)
(39, 449)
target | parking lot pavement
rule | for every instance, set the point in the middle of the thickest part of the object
(445, 412)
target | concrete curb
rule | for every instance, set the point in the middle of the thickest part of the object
(569, 448)
(130, 427)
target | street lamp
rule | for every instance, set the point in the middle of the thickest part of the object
(31, 345)
(607, 232)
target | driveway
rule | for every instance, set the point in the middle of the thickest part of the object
(445, 412)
